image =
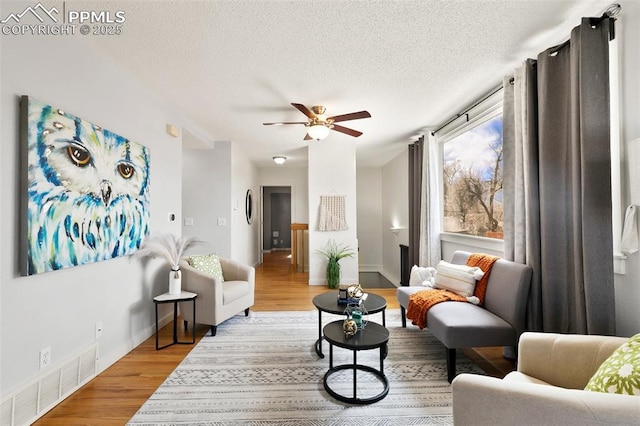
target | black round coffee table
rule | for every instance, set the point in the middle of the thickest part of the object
(328, 302)
(370, 337)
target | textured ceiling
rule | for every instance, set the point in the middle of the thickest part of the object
(229, 66)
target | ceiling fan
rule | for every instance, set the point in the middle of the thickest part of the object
(318, 125)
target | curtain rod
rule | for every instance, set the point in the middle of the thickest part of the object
(466, 111)
(610, 13)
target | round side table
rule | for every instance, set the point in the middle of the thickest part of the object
(371, 337)
(328, 302)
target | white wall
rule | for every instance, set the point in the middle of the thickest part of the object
(297, 179)
(369, 214)
(206, 197)
(332, 171)
(628, 286)
(59, 309)
(395, 201)
(244, 236)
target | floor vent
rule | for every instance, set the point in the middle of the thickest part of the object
(49, 389)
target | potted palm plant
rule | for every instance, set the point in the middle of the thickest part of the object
(334, 252)
(170, 248)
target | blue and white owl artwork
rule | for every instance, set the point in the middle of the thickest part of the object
(87, 191)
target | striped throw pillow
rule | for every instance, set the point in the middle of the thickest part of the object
(459, 279)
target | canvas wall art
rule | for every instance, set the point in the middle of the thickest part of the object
(87, 190)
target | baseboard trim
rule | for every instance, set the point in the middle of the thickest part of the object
(52, 386)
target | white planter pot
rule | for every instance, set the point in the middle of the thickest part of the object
(175, 282)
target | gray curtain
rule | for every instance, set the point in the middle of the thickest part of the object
(416, 153)
(561, 130)
(520, 175)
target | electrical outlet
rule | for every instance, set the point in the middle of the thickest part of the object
(45, 357)
(98, 329)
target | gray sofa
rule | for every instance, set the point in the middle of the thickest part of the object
(464, 325)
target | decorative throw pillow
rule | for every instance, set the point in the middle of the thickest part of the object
(207, 263)
(620, 373)
(421, 276)
(460, 279)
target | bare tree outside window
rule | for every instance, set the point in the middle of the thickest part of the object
(472, 176)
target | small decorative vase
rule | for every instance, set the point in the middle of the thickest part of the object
(175, 281)
(333, 273)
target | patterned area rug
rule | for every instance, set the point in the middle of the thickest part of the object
(263, 370)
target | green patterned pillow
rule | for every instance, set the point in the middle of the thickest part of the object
(207, 263)
(620, 373)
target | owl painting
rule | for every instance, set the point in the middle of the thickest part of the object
(87, 191)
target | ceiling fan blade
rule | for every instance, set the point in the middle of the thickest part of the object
(306, 111)
(307, 137)
(346, 130)
(280, 123)
(351, 116)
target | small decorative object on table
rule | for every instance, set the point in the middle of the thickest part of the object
(350, 294)
(350, 327)
(170, 248)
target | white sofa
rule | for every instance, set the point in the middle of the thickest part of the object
(547, 388)
(218, 300)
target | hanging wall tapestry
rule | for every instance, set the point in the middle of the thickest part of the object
(332, 213)
(87, 190)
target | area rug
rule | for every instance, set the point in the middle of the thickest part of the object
(263, 370)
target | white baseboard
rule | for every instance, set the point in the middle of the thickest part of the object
(395, 280)
(107, 360)
(369, 268)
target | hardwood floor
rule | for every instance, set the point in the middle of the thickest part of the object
(115, 395)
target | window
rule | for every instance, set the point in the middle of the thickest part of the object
(472, 179)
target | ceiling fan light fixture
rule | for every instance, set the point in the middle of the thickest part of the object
(318, 131)
(279, 159)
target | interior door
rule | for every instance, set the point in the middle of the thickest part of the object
(281, 220)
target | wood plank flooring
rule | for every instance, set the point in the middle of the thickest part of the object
(114, 396)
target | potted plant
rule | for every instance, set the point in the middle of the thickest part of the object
(334, 253)
(170, 248)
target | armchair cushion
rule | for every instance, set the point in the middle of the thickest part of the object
(234, 290)
(548, 387)
(620, 373)
(207, 263)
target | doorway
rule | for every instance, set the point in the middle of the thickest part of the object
(276, 219)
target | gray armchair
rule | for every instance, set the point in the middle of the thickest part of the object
(218, 300)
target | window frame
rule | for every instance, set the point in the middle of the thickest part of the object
(488, 109)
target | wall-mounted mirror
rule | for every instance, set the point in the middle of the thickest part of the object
(248, 206)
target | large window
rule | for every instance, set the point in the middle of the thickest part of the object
(472, 180)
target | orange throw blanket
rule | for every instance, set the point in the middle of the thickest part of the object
(421, 301)
(484, 262)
